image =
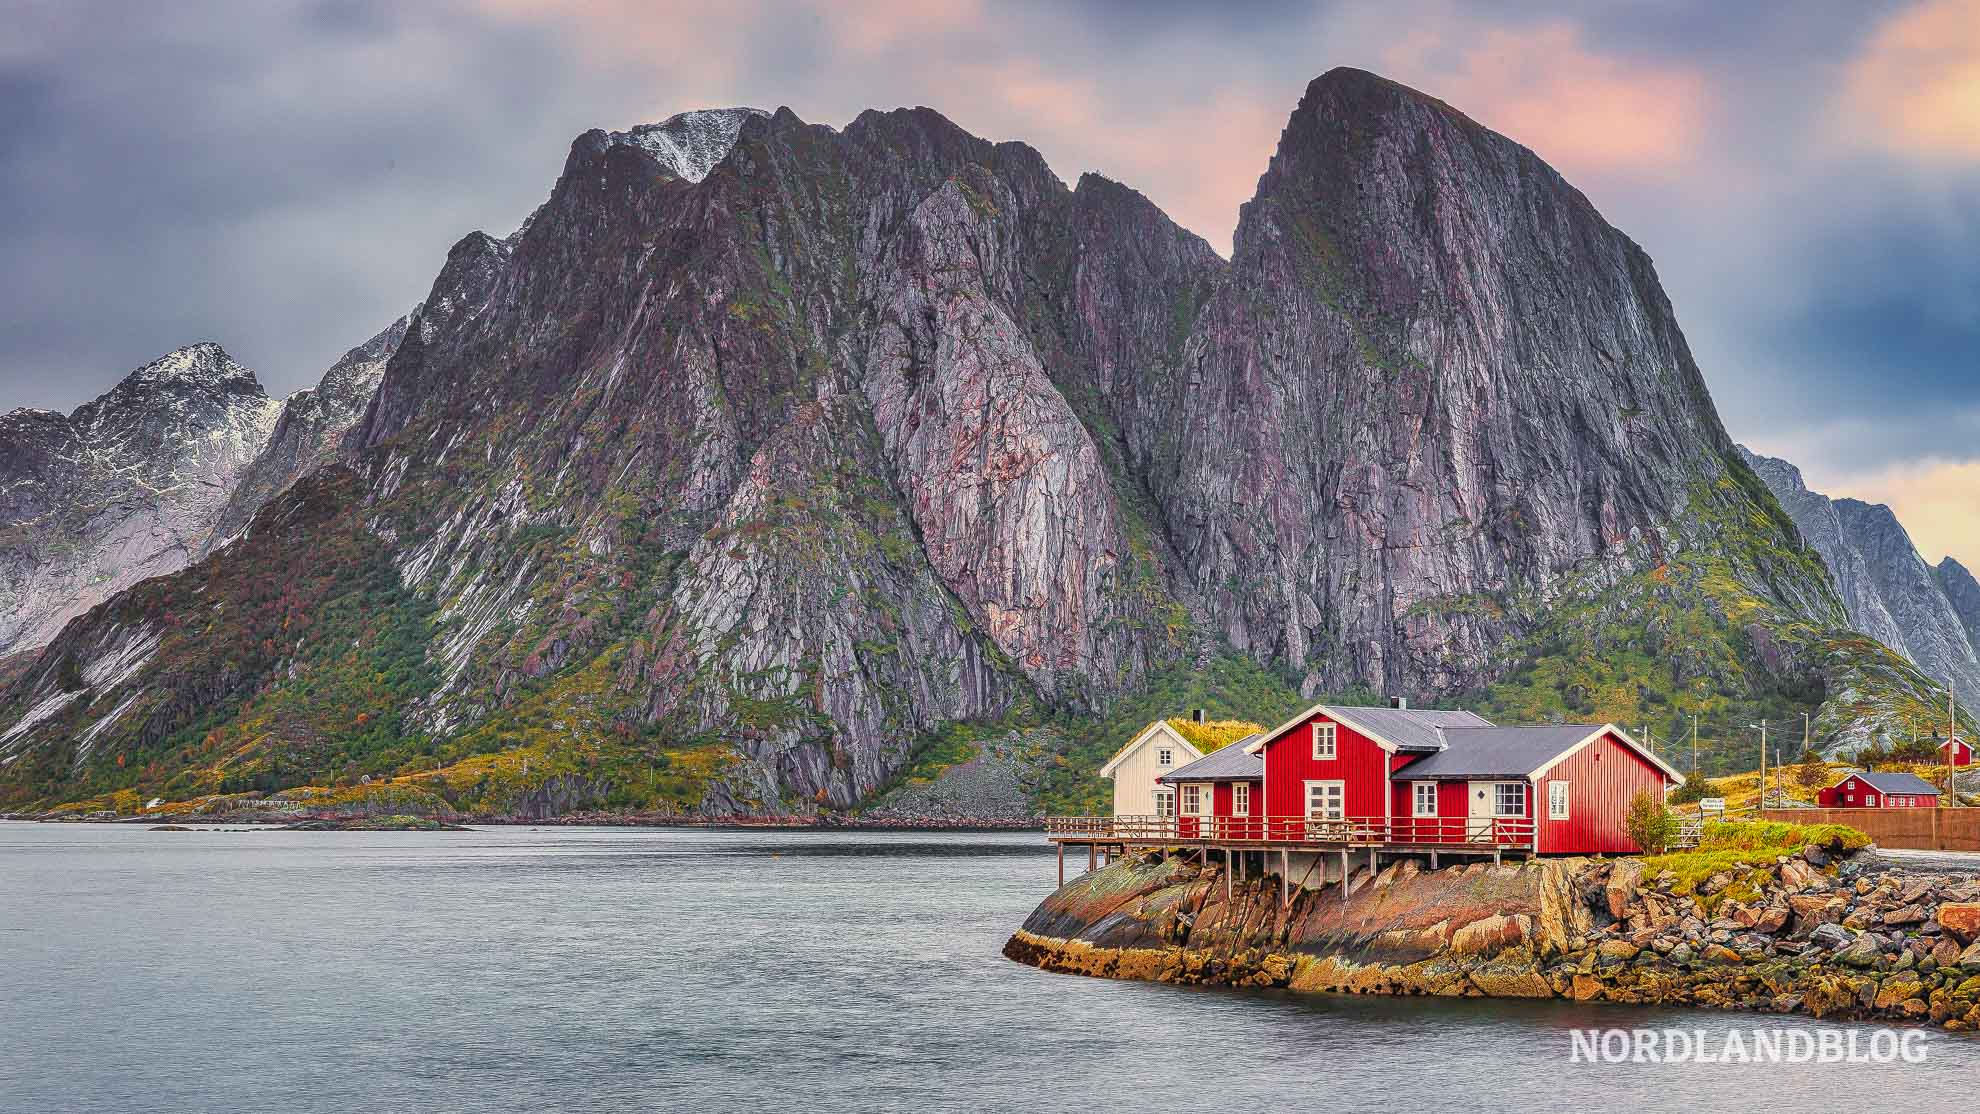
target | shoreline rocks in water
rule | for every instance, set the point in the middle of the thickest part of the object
(1823, 933)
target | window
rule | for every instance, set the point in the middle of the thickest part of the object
(1509, 798)
(1324, 800)
(1323, 741)
(1426, 798)
(1192, 802)
(1557, 800)
(1241, 798)
(1850, 797)
(1165, 758)
(1165, 804)
(1870, 800)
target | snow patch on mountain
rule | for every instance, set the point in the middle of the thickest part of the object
(692, 143)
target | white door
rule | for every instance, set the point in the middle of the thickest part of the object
(1484, 804)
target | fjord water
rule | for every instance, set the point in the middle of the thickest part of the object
(625, 969)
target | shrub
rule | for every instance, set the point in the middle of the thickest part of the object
(1695, 789)
(1651, 826)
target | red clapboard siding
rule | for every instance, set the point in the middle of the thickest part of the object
(1289, 765)
(1604, 775)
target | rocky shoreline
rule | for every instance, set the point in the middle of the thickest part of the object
(1821, 932)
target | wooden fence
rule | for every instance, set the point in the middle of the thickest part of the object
(1919, 829)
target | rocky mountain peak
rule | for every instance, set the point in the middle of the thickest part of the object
(689, 144)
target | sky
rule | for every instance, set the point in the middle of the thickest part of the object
(285, 177)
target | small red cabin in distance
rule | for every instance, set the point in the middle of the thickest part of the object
(1878, 790)
(1956, 752)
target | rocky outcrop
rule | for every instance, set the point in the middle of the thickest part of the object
(309, 432)
(1891, 593)
(127, 487)
(1856, 939)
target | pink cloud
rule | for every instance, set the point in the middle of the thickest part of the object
(1584, 111)
(1915, 89)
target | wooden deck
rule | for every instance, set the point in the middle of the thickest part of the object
(1112, 836)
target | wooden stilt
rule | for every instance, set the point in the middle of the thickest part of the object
(1092, 857)
(1496, 854)
(1062, 865)
(1227, 878)
(1433, 860)
(1285, 878)
(1344, 874)
(1373, 862)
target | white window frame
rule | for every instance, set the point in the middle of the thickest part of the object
(1240, 798)
(1869, 800)
(1339, 795)
(1499, 800)
(1192, 799)
(1416, 795)
(1165, 804)
(1329, 735)
(1165, 757)
(1559, 794)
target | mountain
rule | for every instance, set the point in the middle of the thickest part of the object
(1891, 593)
(309, 432)
(769, 464)
(127, 487)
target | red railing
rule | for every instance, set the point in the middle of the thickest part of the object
(1358, 831)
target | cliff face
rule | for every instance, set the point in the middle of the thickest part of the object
(763, 452)
(1891, 593)
(127, 487)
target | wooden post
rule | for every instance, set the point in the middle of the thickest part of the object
(1374, 864)
(1062, 866)
(1344, 874)
(1092, 857)
(1227, 877)
(1433, 859)
(1285, 877)
(1495, 856)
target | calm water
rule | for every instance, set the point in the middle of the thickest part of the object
(624, 969)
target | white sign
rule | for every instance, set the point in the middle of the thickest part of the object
(1713, 804)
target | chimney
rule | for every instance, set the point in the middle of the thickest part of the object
(1400, 703)
(1196, 714)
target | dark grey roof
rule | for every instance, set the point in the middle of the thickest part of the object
(1407, 728)
(1495, 751)
(1229, 764)
(1897, 783)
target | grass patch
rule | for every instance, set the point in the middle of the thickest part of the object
(1727, 845)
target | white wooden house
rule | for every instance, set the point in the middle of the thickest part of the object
(1135, 768)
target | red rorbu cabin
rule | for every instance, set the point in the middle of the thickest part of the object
(1220, 795)
(1403, 777)
(1875, 790)
(1956, 752)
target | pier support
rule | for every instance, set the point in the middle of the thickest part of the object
(1227, 878)
(1433, 860)
(1285, 878)
(1062, 866)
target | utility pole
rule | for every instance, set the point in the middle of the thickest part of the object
(1694, 743)
(1807, 732)
(1952, 734)
(1760, 806)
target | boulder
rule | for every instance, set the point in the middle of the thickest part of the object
(1969, 960)
(1909, 914)
(1864, 951)
(1719, 953)
(1961, 920)
(1815, 856)
(1621, 890)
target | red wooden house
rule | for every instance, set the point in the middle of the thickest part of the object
(1403, 777)
(1956, 752)
(1877, 790)
(1220, 795)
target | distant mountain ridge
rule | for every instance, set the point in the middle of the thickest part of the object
(161, 470)
(1929, 614)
